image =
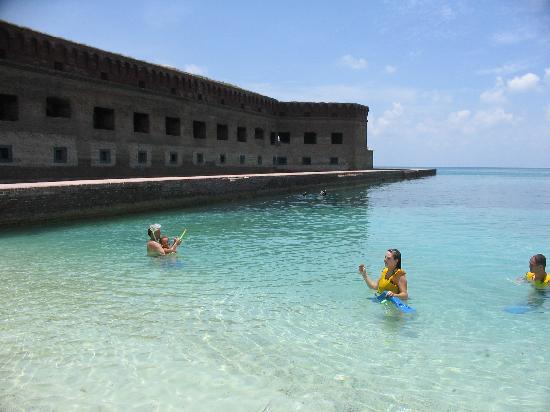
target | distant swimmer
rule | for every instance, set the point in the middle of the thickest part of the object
(154, 247)
(392, 280)
(537, 272)
(323, 192)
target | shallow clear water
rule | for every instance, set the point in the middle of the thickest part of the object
(263, 308)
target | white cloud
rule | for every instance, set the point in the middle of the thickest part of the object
(493, 117)
(194, 69)
(496, 94)
(447, 13)
(392, 69)
(493, 96)
(459, 117)
(355, 63)
(547, 74)
(503, 70)
(523, 83)
(470, 123)
(513, 37)
(428, 127)
(388, 118)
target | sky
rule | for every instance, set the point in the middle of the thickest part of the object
(448, 83)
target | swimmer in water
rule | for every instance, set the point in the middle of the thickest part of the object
(154, 247)
(392, 280)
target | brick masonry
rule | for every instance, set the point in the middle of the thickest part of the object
(53, 93)
(25, 204)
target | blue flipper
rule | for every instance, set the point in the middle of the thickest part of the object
(518, 310)
(396, 301)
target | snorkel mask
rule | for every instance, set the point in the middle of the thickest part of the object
(153, 228)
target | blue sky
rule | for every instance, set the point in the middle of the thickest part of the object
(462, 83)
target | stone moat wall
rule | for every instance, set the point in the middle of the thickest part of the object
(34, 203)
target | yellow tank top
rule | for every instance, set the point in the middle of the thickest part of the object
(389, 284)
(531, 276)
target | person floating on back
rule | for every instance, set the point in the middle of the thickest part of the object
(154, 247)
(537, 272)
(392, 280)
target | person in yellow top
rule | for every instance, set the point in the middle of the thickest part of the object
(537, 271)
(392, 280)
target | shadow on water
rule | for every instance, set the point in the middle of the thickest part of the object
(535, 302)
(168, 263)
(395, 322)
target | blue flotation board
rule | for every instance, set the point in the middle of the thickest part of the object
(396, 301)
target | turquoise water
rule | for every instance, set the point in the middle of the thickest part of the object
(263, 308)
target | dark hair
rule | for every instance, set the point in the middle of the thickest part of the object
(396, 254)
(540, 260)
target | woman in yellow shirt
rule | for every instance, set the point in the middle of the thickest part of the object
(392, 280)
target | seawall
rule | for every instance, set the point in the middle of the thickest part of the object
(23, 204)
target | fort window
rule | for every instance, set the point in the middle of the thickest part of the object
(58, 66)
(281, 160)
(104, 76)
(310, 138)
(222, 132)
(333, 160)
(173, 126)
(142, 157)
(241, 134)
(56, 107)
(60, 155)
(6, 154)
(242, 159)
(173, 158)
(258, 133)
(105, 156)
(141, 84)
(273, 138)
(306, 160)
(260, 160)
(274, 160)
(9, 109)
(141, 122)
(199, 158)
(199, 130)
(104, 118)
(222, 158)
(284, 137)
(337, 138)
